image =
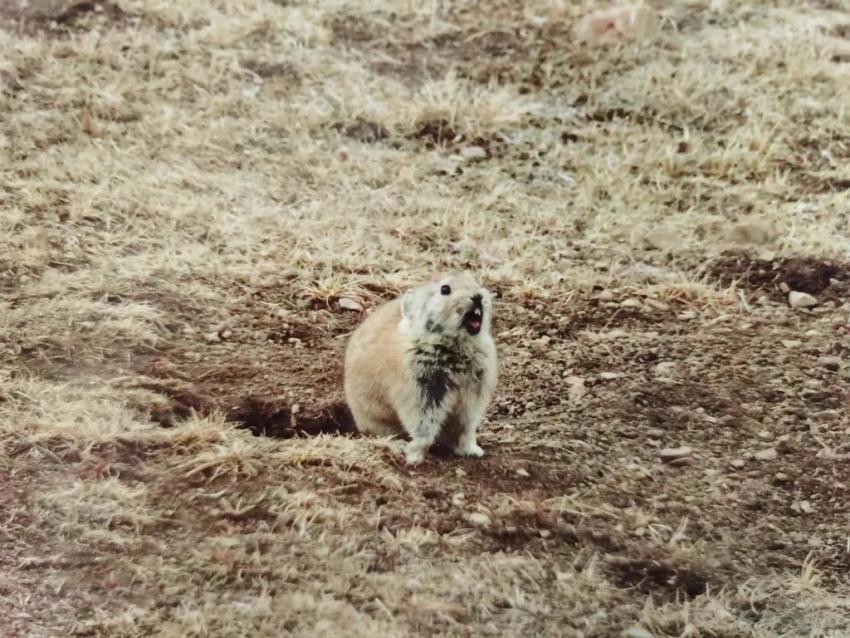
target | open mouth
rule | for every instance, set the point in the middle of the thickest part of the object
(473, 318)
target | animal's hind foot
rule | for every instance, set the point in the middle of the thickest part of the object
(472, 450)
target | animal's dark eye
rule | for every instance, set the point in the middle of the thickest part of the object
(445, 289)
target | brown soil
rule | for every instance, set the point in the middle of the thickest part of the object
(724, 402)
(824, 279)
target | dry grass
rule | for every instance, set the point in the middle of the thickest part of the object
(188, 189)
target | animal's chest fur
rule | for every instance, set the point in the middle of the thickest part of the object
(441, 368)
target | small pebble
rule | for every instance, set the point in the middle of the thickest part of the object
(637, 632)
(801, 300)
(610, 376)
(675, 454)
(802, 507)
(737, 463)
(665, 369)
(473, 153)
(768, 454)
(479, 519)
(577, 389)
(522, 473)
(347, 303)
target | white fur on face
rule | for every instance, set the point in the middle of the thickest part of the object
(428, 310)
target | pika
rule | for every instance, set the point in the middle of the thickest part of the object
(425, 364)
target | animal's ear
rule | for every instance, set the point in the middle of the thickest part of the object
(407, 304)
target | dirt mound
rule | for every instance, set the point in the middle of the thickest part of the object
(825, 279)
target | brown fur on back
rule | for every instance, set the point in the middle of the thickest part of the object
(373, 364)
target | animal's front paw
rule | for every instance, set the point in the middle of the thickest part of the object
(414, 455)
(472, 449)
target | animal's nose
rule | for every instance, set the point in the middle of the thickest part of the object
(476, 300)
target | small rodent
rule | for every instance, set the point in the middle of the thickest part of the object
(425, 364)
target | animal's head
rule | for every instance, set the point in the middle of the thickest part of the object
(453, 305)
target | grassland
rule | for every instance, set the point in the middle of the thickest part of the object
(187, 190)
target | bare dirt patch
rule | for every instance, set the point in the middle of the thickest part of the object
(720, 405)
(270, 419)
(437, 132)
(654, 576)
(59, 18)
(828, 280)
